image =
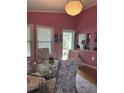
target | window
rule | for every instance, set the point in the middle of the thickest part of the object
(68, 42)
(28, 41)
(45, 38)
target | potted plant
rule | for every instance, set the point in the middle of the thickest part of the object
(51, 60)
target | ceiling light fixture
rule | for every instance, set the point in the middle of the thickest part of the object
(73, 7)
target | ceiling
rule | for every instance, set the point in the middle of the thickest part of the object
(54, 5)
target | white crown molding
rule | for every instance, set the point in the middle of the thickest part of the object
(93, 4)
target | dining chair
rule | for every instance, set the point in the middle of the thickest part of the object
(73, 53)
(66, 76)
(42, 55)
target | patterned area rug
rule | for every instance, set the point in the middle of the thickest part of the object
(84, 86)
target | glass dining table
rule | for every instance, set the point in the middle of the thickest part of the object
(50, 77)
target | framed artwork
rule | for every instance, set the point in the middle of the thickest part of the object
(57, 38)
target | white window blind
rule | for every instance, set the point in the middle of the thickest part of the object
(44, 38)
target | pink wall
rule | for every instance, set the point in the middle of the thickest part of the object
(83, 23)
(87, 57)
(58, 21)
(87, 23)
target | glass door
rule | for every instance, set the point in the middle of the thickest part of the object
(68, 43)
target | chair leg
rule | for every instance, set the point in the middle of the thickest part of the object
(76, 90)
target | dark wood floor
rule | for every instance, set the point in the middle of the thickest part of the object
(88, 73)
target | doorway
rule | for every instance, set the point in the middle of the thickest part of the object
(67, 43)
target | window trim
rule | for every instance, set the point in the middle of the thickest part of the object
(52, 36)
(31, 38)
